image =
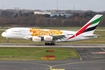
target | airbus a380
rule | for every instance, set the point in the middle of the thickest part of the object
(50, 36)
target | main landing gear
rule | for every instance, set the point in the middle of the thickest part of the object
(51, 43)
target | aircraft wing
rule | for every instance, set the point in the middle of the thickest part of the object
(56, 37)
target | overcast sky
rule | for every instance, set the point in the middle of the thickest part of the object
(95, 5)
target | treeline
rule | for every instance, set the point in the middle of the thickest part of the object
(8, 19)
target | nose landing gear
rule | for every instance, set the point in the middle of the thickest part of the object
(7, 40)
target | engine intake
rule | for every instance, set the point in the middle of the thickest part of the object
(39, 39)
(36, 39)
(48, 38)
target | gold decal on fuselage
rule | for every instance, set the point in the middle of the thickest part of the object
(42, 32)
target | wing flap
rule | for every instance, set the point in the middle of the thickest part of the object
(58, 37)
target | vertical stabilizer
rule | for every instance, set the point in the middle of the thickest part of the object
(90, 26)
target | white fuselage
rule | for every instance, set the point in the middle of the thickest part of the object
(26, 33)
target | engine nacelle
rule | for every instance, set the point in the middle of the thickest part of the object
(48, 38)
(36, 39)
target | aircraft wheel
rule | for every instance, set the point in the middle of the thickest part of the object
(52, 43)
(49, 43)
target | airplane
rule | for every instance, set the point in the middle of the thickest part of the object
(50, 36)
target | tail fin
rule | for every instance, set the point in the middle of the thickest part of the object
(90, 26)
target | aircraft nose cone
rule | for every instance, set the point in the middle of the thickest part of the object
(3, 34)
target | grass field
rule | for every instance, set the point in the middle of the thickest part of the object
(36, 53)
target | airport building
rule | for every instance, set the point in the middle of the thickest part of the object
(52, 14)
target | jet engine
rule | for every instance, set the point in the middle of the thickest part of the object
(48, 38)
(36, 39)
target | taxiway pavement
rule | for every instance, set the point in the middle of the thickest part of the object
(72, 64)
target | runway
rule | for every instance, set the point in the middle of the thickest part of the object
(58, 45)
